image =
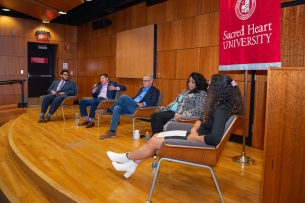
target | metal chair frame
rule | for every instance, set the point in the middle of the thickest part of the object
(181, 153)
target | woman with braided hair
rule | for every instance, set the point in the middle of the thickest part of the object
(224, 99)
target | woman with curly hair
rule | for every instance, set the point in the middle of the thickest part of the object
(224, 100)
(187, 104)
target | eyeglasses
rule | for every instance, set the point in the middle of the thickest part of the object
(66, 74)
(146, 80)
(191, 82)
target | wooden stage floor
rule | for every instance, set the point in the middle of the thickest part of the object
(64, 158)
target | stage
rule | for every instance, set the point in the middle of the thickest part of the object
(63, 162)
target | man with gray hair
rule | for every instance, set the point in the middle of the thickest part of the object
(148, 95)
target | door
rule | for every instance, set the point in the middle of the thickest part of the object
(41, 59)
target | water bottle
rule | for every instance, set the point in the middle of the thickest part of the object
(147, 136)
(154, 165)
(76, 118)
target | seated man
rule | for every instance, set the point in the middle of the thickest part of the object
(148, 95)
(105, 89)
(57, 93)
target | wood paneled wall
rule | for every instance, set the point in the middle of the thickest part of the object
(187, 41)
(285, 139)
(13, 52)
(187, 35)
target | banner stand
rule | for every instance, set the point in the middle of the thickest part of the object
(243, 159)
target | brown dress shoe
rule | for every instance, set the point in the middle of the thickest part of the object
(46, 119)
(108, 134)
(40, 119)
(103, 112)
(90, 125)
(83, 123)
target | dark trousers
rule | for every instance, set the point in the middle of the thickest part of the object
(159, 119)
(89, 102)
(52, 100)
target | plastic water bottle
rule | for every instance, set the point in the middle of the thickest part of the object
(76, 118)
(147, 136)
(154, 165)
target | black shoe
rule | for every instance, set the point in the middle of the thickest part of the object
(83, 123)
(41, 118)
(90, 125)
(46, 119)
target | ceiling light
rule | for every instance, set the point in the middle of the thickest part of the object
(45, 21)
(6, 9)
(88, 0)
(61, 12)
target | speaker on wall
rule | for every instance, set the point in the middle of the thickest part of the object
(101, 23)
(153, 2)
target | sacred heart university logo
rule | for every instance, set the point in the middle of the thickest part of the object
(245, 8)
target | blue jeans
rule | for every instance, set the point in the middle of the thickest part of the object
(123, 105)
(89, 102)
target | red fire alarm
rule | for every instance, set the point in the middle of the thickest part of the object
(66, 47)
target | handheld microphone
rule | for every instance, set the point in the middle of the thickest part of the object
(96, 85)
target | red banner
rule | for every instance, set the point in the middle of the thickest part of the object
(39, 60)
(249, 37)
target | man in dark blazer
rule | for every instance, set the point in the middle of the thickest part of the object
(57, 93)
(105, 89)
(148, 95)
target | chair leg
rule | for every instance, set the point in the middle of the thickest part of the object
(63, 114)
(98, 120)
(154, 181)
(73, 109)
(133, 120)
(188, 163)
(216, 183)
(140, 124)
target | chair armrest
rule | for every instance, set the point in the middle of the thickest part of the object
(87, 98)
(188, 119)
(145, 111)
(69, 100)
(105, 104)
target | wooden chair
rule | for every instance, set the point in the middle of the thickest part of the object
(67, 102)
(185, 119)
(192, 153)
(143, 113)
(117, 95)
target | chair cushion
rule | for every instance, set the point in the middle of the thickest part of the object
(179, 126)
(195, 118)
(189, 143)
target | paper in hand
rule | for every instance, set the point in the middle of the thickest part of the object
(181, 133)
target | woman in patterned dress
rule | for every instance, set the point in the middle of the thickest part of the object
(188, 103)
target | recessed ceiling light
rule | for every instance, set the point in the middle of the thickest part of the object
(45, 21)
(61, 12)
(6, 9)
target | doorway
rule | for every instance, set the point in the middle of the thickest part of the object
(41, 59)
